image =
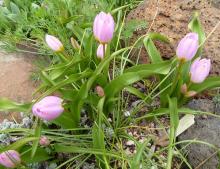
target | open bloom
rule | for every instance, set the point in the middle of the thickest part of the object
(49, 108)
(54, 43)
(103, 27)
(100, 51)
(188, 47)
(199, 70)
(10, 159)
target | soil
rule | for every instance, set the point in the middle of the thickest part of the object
(172, 20)
(16, 84)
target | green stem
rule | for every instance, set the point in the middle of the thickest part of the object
(170, 150)
(176, 79)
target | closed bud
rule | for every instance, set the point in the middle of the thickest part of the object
(54, 43)
(74, 44)
(44, 141)
(184, 88)
(199, 70)
(103, 27)
(190, 94)
(100, 91)
(10, 159)
(100, 51)
(188, 47)
(49, 108)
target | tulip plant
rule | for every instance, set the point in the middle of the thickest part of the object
(88, 84)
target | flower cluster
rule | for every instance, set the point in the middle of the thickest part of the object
(200, 68)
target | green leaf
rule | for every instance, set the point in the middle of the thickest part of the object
(76, 149)
(136, 162)
(174, 122)
(153, 53)
(135, 92)
(209, 83)
(8, 105)
(18, 144)
(98, 137)
(65, 121)
(40, 155)
(174, 116)
(37, 135)
(135, 74)
(14, 8)
(196, 26)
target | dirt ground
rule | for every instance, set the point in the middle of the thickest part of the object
(15, 79)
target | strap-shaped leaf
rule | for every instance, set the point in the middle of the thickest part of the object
(196, 26)
(8, 105)
(135, 74)
(153, 52)
(209, 83)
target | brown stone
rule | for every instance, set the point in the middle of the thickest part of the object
(172, 18)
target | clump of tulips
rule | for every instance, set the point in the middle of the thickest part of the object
(81, 84)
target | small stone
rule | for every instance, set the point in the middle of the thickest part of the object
(127, 114)
(130, 143)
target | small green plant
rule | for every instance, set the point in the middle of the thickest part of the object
(80, 110)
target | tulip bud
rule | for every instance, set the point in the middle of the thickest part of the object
(100, 91)
(184, 88)
(188, 47)
(44, 141)
(49, 108)
(190, 93)
(100, 51)
(54, 43)
(10, 159)
(199, 70)
(103, 27)
(74, 43)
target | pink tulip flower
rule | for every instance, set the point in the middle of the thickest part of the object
(100, 51)
(199, 70)
(54, 43)
(49, 108)
(10, 159)
(188, 47)
(103, 27)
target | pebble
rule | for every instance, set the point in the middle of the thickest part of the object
(130, 143)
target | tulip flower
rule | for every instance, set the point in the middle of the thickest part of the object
(10, 159)
(49, 108)
(100, 51)
(103, 27)
(188, 47)
(100, 91)
(54, 43)
(199, 70)
(184, 88)
(44, 141)
(190, 93)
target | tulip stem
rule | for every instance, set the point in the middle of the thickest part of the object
(177, 76)
(103, 50)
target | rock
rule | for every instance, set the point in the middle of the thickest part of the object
(15, 77)
(205, 105)
(207, 130)
(172, 20)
